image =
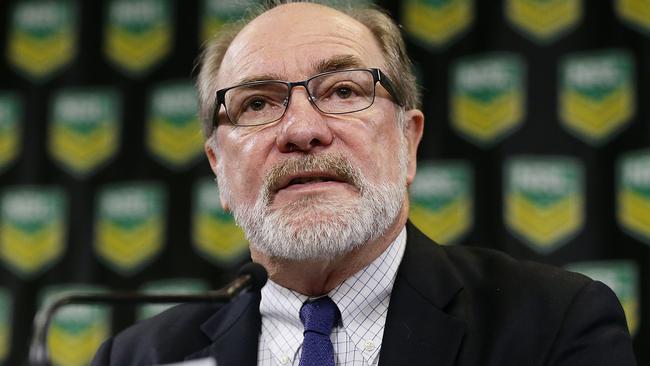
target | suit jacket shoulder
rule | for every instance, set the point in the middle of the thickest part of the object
(474, 306)
(166, 337)
(189, 331)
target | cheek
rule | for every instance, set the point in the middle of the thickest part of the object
(242, 174)
(384, 149)
(377, 155)
(372, 141)
(240, 178)
(244, 158)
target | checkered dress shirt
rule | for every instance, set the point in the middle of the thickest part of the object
(362, 300)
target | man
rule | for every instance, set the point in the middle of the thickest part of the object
(312, 130)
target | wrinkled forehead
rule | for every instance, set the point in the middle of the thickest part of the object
(295, 41)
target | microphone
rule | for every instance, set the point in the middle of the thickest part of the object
(251, 277)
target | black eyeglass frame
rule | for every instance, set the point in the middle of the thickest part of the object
(377, 76)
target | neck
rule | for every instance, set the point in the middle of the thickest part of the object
(318, 277)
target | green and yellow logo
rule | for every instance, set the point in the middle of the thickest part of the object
(543, 21)
(217, 13)
(623, 278)
(215, 235)
(179, 286)
(437, 22)
(42, 37)
(129, 227)
(636, 13)
(84, 131)
(5, 323)
(76, 331)
(442, 200)
(633, 194)
(597, 97)
(138, 34)
(174, 131)
(32, 229)
(11, 111)
(488, 97)
(544, 201)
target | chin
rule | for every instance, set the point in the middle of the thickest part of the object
(320, 228)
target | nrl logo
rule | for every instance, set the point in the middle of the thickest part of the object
(597, 98)
(215, 235)
(623, 278)
(544, 201)
(180, 286)
(42, 37)
(173, 130)
(76, 331)
(442, 201)
(437, 22)
(487, 97)
(633, 195)
(543, 21)
(32, 229)
(636, 13)
(10, 128)
(129, 229)
(138, 34)
(84, 130)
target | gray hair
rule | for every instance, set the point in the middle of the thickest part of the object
(384, 29)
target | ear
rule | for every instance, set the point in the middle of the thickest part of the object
(213, 157)
(413, 134)
(210, 152)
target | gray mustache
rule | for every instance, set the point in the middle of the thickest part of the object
(335, 164)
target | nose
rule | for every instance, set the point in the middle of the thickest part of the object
(302, 128)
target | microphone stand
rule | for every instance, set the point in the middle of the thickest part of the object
(38, 352)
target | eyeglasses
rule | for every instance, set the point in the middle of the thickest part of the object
(335, 92)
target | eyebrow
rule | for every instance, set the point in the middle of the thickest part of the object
(337, 62)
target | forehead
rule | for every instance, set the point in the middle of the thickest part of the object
(291, 41)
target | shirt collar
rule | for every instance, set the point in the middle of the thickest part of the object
(362, 299)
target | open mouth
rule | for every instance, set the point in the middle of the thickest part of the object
(311, 180)
(307, 178)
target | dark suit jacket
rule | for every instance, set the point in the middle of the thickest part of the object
(450, 306)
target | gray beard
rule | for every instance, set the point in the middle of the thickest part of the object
(314, 227)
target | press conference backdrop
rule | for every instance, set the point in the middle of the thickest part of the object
(537, 143)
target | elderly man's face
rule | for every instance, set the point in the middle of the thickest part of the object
(309, 177)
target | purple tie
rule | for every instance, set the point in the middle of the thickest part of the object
(318, 317)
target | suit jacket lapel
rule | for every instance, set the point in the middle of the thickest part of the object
(420, 326)
(234, 331)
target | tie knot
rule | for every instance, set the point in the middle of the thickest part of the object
(319, 315)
